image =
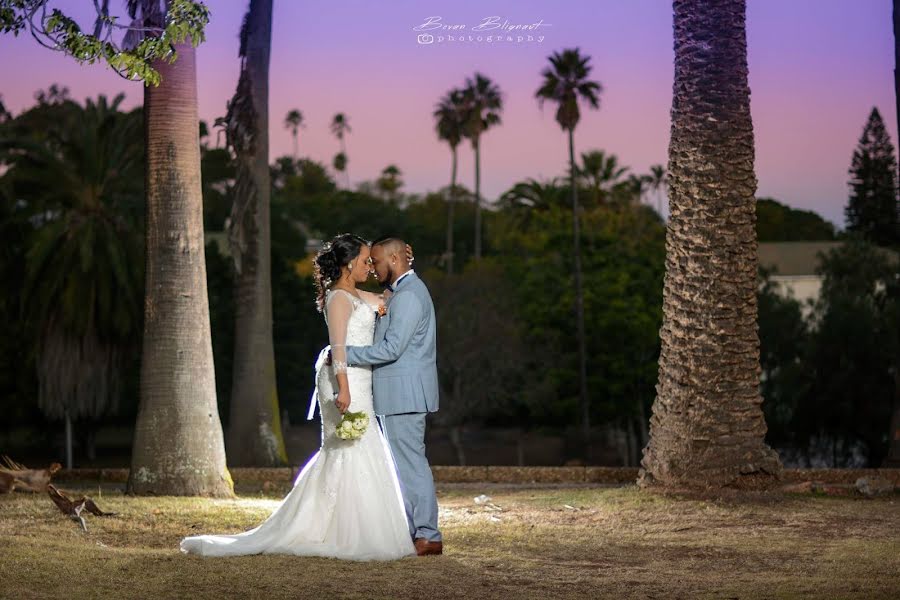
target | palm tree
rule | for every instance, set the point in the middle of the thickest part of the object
(636, 186)
(657, 182)
(340, 127)
(389, 182)
(178, 444)
(339, 162)
(532, 194)
(565, 83)
(294, 121)
(600, 172)
(707, 427)
(450, 120)
(896, 20)
(203, 130)
(254, 434)
(893, 457)
(83, 289)
(483, 103)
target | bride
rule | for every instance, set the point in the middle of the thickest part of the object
(346, 502)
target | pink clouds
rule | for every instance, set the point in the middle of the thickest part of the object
(816, 69)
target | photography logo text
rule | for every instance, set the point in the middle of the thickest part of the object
(490, 30)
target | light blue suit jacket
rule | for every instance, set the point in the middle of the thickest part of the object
(403, 353)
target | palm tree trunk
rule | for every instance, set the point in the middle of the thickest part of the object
(477, 201)
(584, 400)
(707, 427)
(455, 429)
(296, 146)
(178, 447)
(69, 461)
(896, 16)
(893, 456)
(346, 162)
(450, 206)
(254, 434)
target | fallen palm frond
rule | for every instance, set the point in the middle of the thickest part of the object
(15, 475)
(73, 508)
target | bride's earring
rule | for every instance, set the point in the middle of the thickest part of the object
(350, 266)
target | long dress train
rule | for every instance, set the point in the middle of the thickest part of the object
(346, 501)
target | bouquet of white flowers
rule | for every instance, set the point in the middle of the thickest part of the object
(352, 425)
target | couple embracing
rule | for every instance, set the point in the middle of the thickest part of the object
(368, 495)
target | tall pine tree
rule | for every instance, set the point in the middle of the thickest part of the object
(874, 210)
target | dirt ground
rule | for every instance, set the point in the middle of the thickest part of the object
(527, 542)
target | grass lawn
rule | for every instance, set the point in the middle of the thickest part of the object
(546, 542)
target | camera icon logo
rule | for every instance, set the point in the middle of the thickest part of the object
(425, 38)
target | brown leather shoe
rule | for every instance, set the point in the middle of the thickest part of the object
(426, 548)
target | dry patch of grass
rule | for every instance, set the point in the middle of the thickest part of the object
(548, 542)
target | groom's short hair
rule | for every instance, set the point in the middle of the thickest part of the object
(392, 243)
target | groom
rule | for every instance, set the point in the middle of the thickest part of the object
(405, 384)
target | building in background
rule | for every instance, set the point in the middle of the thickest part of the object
(794, 266)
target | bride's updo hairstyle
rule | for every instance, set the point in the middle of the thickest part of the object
(329, 261)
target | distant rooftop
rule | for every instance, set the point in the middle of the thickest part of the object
(797, 258)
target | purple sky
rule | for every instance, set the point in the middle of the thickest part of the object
(817, 67)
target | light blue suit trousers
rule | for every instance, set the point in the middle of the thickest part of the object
(405, 387)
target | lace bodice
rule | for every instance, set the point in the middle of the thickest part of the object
(351, 322)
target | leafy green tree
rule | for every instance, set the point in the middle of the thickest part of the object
(18, 375)
(634, 188)
(854, 353)
(600, 173)
(203, 132)
(4, 114)
(153, 39)
(481, 347)
(390, 182)
(623, 254)
(298, 180)
(526, 197)
(657, 182)
(80, 179)
(784, 339)
(218, 173)
(425, 223)
(777, 222)
(184, 455)
(874, 206)
(566, 83)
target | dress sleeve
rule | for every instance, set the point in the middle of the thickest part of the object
(338, 308)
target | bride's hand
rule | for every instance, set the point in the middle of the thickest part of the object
(342, 401)
(409, 255)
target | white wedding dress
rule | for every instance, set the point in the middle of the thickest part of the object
(346, 502)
